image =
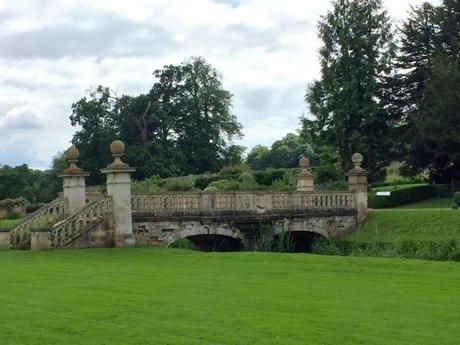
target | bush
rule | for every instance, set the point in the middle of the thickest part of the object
(403, 196)
(150, 185)
(13, 215)
(179, 185)
(267, 177)
(457, 198)
(204, 181)
(224, 185)
(286, 183)
(248, 182)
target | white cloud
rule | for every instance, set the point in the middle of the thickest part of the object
(52, 51)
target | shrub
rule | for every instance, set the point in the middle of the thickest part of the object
(179, 185)
(150, 185)
(182, 243)
(457, 198)
(204, 181)
(224, 185)
(13, 215)
(267, 177)
(248, 182)
(285, 183)
(403, 196)
(235, 169)
(333, 185)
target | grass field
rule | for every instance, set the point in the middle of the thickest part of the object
(7, 222)
(417, 224)
(155, 296)
(430, 203)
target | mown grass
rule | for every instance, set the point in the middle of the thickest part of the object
(396, 225)
(4, 223)
(154, 296)
(430, 203)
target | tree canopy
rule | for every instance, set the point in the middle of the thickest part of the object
(349, 102)
(183, 125)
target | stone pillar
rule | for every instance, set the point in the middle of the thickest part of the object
(305, 179)
(40, 238)
(119, 188)
(73, 180)
(4, 238)
(357, 182)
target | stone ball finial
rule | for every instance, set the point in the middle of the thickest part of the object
(304, 162)
(72, 153)
(357, 159)
(117, 147)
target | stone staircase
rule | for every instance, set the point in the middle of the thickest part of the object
(63, 229)
(96, 214)
(20, 233)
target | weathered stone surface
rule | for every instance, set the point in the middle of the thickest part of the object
(73, 178)
(119, 188)
(40, 238)
(357, 182)
(305, 179)
(163, 231)
(4, 239)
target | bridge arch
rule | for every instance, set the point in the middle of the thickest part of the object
(209, 237)
(302, 233)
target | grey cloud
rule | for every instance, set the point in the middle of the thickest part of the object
(112, 36)
(258, 99)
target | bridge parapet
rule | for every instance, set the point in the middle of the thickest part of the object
(248, 202)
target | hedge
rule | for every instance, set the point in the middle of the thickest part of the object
(403, 196)
(457, 198)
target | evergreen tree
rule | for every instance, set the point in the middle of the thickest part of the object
(350, 101)
(429, 70)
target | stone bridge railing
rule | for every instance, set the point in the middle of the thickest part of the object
(63, 222)
(46, 215)
(92, 214)
(168, 204)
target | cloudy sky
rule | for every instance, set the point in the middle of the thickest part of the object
(52, 51)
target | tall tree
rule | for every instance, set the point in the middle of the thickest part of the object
(205, 123)
(95, 116)
(350, 101)
(183, 125)
(429, 68)
(438, 123)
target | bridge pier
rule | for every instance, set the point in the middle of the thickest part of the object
(305, 179)
(357, 183)
(73, 178)
(119, 188)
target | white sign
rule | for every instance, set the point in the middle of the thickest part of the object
(384, 193)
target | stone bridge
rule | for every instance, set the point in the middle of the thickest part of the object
(211, 221)
(234, 220)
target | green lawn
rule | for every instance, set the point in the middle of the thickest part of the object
(395, 225)
(158, 296)
(7, 222)
(430, 203)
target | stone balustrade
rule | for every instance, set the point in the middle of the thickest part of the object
(48, 214)
(251, 202)
(96, 211)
